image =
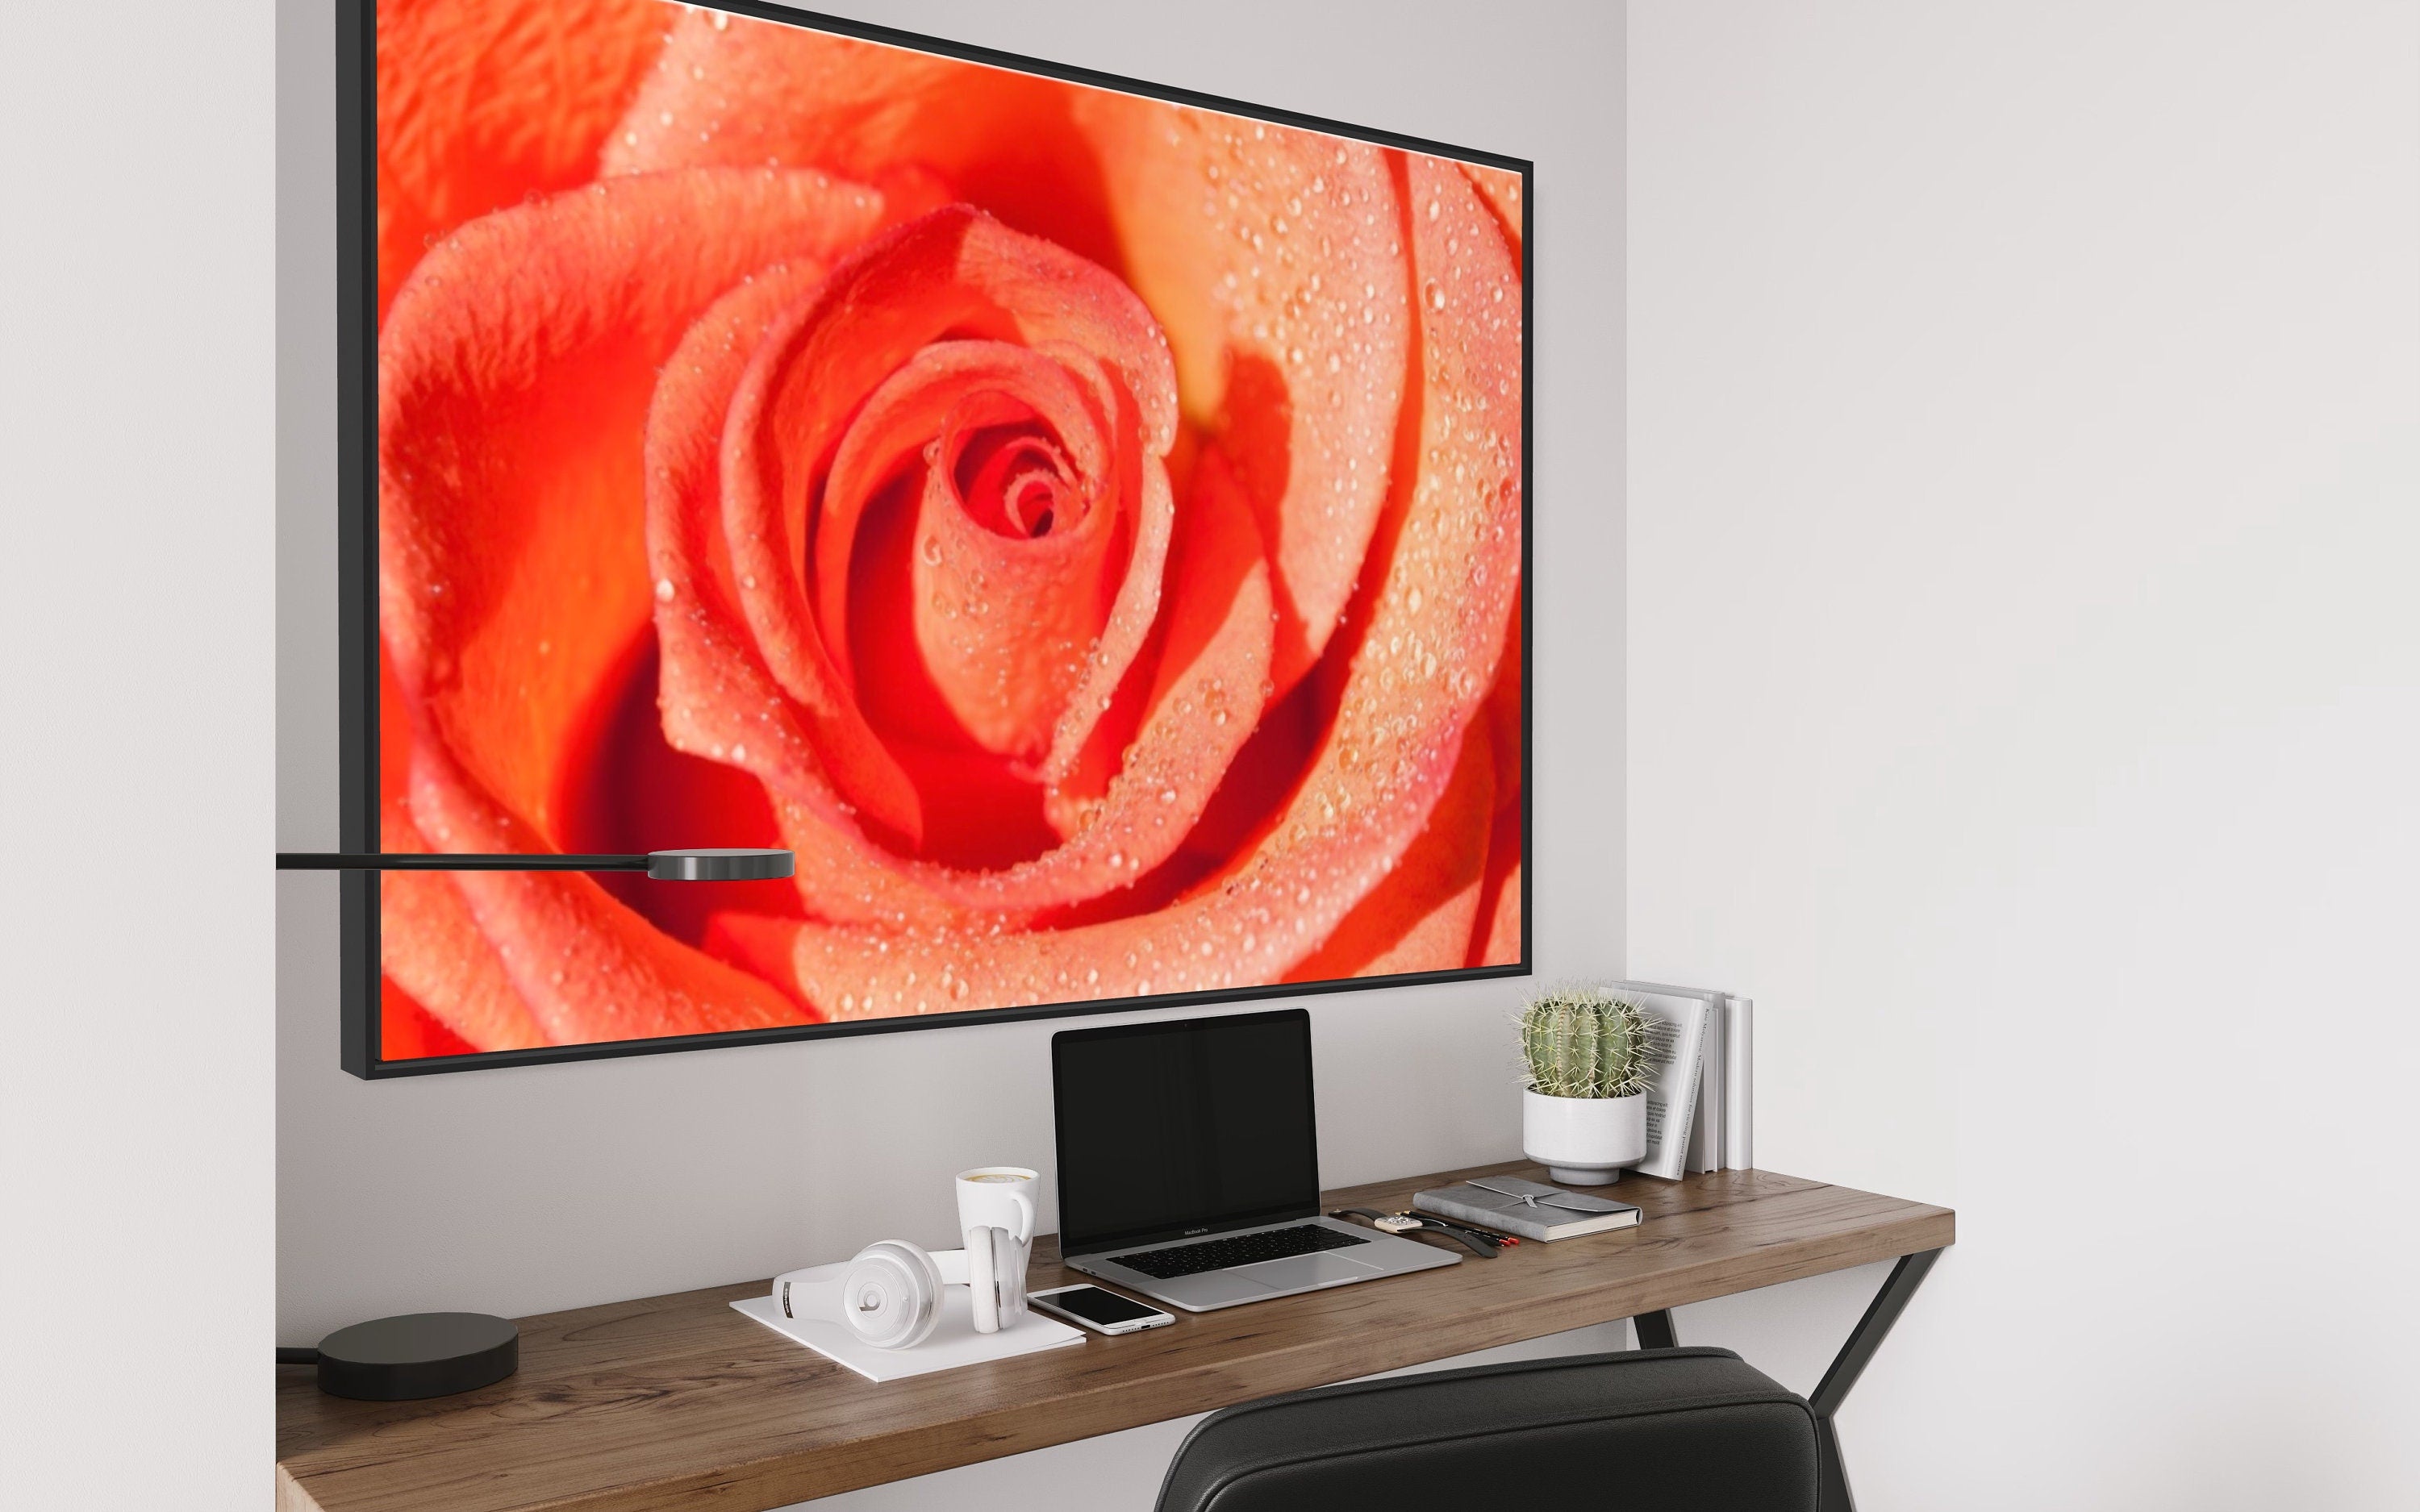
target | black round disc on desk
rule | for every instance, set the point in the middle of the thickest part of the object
(418, 1354)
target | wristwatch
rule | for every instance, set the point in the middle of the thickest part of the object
(1485, 1245)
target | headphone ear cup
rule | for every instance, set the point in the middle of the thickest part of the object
(983, 1283)
(890, 1295)
(1007, 1265)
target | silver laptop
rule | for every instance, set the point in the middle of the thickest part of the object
(1189, 1165)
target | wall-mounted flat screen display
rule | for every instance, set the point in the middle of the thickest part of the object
(1084, 521)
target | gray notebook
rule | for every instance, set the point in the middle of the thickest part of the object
(1532, 1211)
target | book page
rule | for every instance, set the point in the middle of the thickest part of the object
(1676, 1032)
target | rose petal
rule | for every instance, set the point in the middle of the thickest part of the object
(952, 272)
(760, 946)
(1504, 705)
(729, 90)
(483, 103)
(1136, 608)
(1129, 809)
(1275, 261)
(808, 741)
(1501, 189)
(635, 792)
(408, 1031)
(1003, 624)
(1499, 942)
(430, 947)
(588, 969)
(1206, 703)
(429, 950)
(1202, 704)
(515, 369)
(1419, 917)
(1500, 945)
(1429, 636)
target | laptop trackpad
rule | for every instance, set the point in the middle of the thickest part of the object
(1210, 1288)
(1300, 1272)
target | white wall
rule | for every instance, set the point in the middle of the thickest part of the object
(2024, 664)
(137, 348)
(524, 1190)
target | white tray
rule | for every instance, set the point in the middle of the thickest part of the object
(955, 1341)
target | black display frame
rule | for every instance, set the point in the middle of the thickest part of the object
(358, 567)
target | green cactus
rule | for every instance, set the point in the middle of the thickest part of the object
(1584, 1042)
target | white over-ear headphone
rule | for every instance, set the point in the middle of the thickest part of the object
(891, 1294)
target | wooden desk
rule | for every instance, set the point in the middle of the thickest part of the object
(678, 1401)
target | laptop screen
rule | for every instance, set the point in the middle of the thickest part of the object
(1173, 1129)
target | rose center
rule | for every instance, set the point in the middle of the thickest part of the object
(1012, 478)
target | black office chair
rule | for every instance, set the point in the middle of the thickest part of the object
(1645, 1430)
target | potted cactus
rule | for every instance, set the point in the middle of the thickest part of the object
(1584, 1099)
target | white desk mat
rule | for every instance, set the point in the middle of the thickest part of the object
(954, 1342)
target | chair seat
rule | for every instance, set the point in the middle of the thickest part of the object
(1643, 1431)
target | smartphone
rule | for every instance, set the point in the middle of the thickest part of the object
(1099, 1309)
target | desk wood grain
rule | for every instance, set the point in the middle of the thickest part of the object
(678, 1401)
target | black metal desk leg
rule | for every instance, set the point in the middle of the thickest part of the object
(1834, 1388)
(1655, 1329)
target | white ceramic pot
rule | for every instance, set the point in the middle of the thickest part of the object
(1584, 1141)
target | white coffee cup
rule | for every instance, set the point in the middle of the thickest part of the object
(1001, 1197)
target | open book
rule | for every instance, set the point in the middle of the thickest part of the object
(1676, 1040)
(1712, 1082)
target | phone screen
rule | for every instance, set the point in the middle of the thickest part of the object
(1099, 1306)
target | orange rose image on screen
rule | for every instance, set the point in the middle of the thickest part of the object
(1087, 530)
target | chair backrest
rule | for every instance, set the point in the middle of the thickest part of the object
(1645, 1430)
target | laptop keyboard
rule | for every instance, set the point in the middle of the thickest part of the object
(1242, 1249)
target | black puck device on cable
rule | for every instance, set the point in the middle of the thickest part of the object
(405, 1358)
